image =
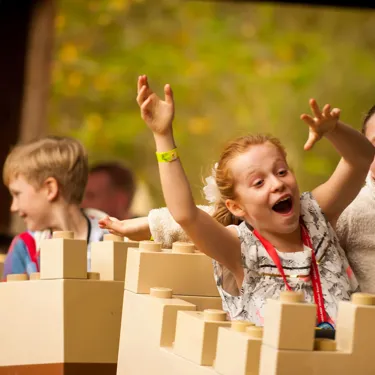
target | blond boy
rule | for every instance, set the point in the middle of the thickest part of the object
(47, 179)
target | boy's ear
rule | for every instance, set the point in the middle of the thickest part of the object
(52, 188)
(235, 208)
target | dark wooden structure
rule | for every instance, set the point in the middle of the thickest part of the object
(26, 34)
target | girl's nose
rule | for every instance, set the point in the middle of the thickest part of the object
(277, 184)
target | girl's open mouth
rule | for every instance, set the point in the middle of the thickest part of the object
(283, 206)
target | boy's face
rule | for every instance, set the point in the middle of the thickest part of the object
(31, 204)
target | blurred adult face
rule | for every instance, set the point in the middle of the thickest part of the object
(102, 195)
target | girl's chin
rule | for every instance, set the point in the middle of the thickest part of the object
(290, 226)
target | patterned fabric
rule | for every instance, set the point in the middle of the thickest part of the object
(262, 280)
(18, 259)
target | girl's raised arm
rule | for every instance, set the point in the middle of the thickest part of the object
(211, 237)
(357, 154)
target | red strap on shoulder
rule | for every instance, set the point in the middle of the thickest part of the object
(29, 241)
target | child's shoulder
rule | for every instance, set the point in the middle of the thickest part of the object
(309, 204)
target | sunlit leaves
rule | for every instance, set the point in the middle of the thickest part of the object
(234, 68)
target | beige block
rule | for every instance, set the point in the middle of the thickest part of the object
(34, 328)
(131, 243)
(186, 274)
(183, 247)
(62, 258)
(92, 320)
(63, 234)
(17, 277)
(288, 362)
(350, 354)
(203, 303)
(355, 330)
(237, 353)
(150, 246)
(65, 321)
(289, 325)
(113, 237)
(142, 330)
(169, 318)
(196, 337)
(35, 276)
(109, 259)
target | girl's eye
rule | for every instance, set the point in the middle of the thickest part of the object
(258, 183)
(283, 172)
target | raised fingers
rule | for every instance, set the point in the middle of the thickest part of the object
(142, 81)
(168, 94)
(143, 94)
(335, 112)
(315, 108)
(308, 119)
(313, 138)
(146, 107)
(327, 110)
(139, 84)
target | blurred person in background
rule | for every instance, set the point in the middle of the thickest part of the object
(110, 188)
(355, 227)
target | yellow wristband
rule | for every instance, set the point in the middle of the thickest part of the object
(168, 156)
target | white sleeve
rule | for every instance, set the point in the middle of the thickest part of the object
(164, 228)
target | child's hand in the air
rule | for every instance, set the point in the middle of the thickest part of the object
(157, 113)
(323, 122)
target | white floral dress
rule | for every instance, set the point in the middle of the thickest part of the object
(262, 280)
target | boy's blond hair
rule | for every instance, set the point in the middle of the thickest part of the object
(62, 158)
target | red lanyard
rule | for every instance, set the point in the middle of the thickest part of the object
(314, 271)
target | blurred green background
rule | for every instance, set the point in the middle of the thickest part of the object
(234, 68)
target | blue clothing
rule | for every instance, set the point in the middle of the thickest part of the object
(18, 258)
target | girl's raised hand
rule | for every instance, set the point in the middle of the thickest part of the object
(158, 114)
(323, 122)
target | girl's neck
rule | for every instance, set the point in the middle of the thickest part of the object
(70, 218)
(285, 242)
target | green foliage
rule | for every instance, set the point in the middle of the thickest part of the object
(234, 68)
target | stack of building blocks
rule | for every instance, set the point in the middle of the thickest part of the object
(108, 257)
(289, 347)
(163, 334)
(162, 331)
(62, 320)
(183, 268)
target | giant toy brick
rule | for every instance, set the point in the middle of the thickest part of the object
(62, 324)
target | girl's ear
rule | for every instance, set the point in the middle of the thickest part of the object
(52, 188)
(235, 208)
